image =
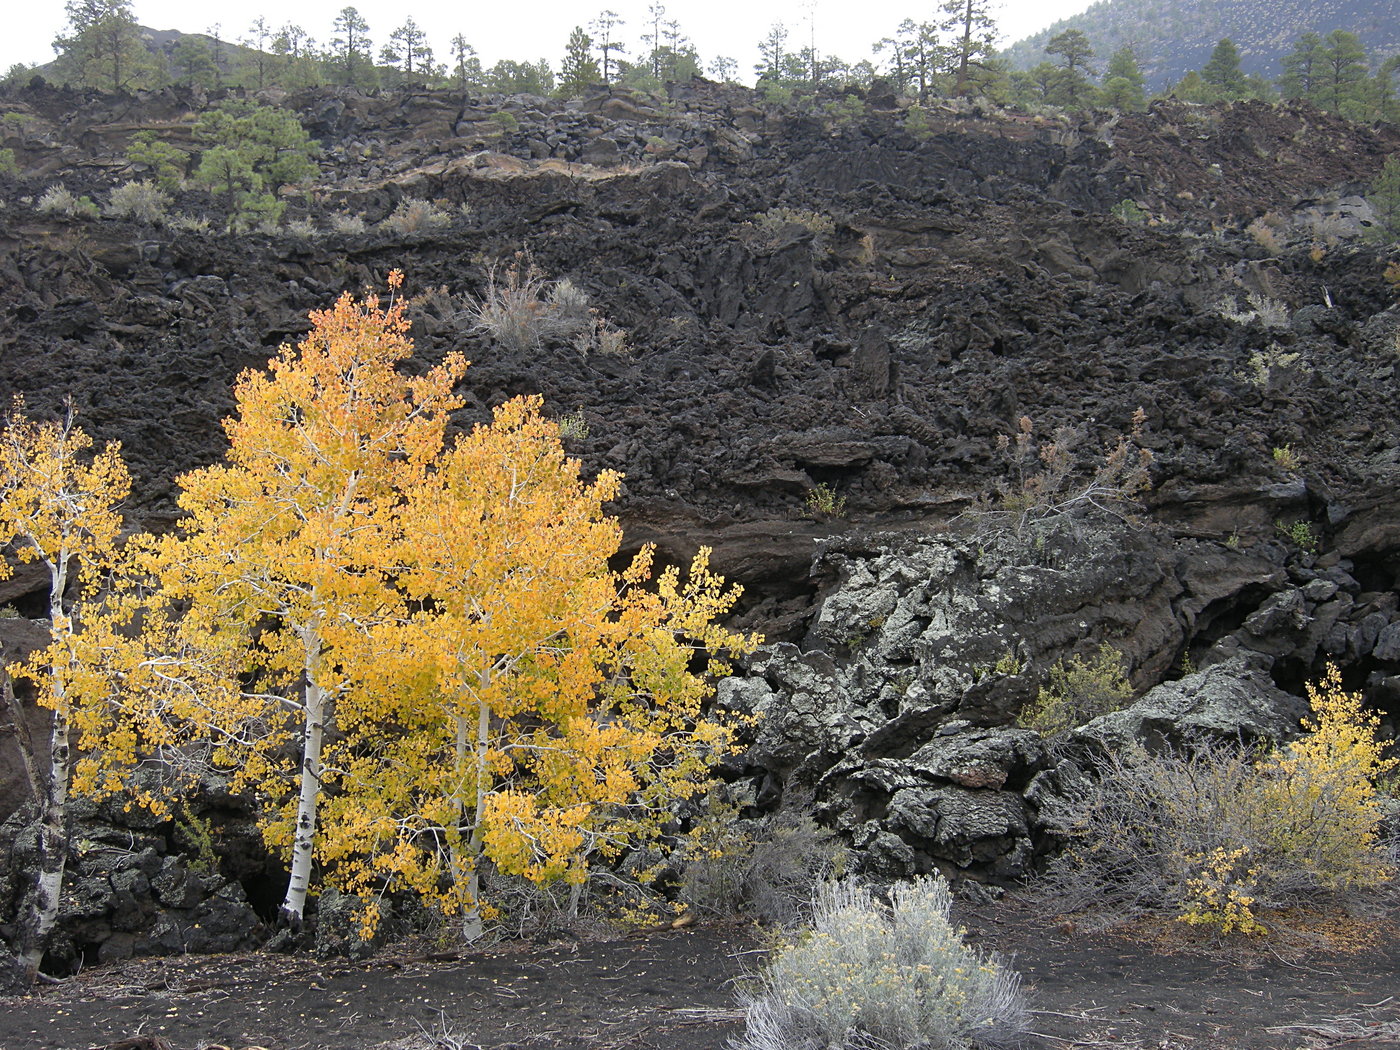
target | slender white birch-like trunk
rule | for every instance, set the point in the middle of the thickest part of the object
(309, 794)
(39, 913)
(471, 915)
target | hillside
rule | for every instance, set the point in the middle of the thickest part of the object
(823, 331)
(1173, 37)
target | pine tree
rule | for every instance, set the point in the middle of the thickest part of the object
(896, 70)
(350, 49)
(579, 70)
(656, 17)
(466, 66)
(1223, 72)
(1385, 200)
(102, 47)
(920, 54)
(605, 28)
(724, 69)
(1386, 90)
(193, 64)
(259, 40)
(1302, 69)
(297, 65)
(216, 53)
(510, 77)
(408, 50)
(249, 151)
(973, 38)
(772, 52)
(1342, 84)
(1070, 86)
(679, 60)
(1074, 49)
(1124, 86)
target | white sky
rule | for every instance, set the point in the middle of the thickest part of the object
(539, 28)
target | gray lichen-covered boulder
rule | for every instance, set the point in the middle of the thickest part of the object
(955, 805)
(1233, 702)
(802, 705)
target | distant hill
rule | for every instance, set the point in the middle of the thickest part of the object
(164, 44)
(1173, 37)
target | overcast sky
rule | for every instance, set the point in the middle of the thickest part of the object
(539, 28)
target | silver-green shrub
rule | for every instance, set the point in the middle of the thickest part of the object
(897, 977)
(57, 200)
(345, 222)
(568, 303)
(140, 200)
(414, 215)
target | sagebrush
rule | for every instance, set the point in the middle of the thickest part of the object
(413, 215)
(59, 200)
(869, 975)
(141, 200)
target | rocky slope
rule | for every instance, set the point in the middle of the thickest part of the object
(814, 303)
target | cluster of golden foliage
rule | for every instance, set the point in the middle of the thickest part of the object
(1224, 838)
(59, 507)
(412, 649)
(1317, 809)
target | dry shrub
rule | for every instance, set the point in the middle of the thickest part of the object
(1272, 366)
(189, 223)
(601, 336)
(523, 310)
(772, 222)
(1045, 486)
(1271, 313)
(870, 976)
(521, 909)
(434, 301)
(1211, 835)
(765, 868)
(1264, 231)
(414, 215)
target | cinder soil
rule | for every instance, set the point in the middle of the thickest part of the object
(675, 991)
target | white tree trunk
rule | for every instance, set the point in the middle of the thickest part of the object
(304, 840)
(471, 915)
(39, 912)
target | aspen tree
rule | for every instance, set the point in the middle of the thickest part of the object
(494, 689)
(58, 507)
(545, 709)
(291, 539)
